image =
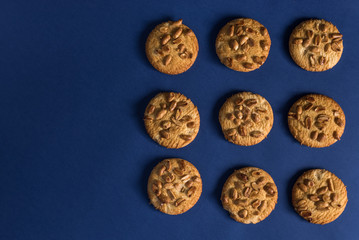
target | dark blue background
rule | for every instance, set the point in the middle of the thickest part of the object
(75, 156)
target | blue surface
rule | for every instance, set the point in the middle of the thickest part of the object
(74, 153)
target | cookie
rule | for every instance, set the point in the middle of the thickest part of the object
(174, 186)
(249, 195)
(316, 45)
(243, 44)
(316, 121)
(319, 196)
(172, 120)
(246, 118)
(172, 47)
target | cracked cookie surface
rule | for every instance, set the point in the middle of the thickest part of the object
(316, 45)
(172, 120)
(243, 44)
(319, 196)
(246, 118)
(174, 186)
(316, 121)
(172, 47)
(249, 195)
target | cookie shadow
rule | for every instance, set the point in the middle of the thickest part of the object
(142, 38)
(286, 34)
(217, 107)
(140, 107)
(290, 185)
(214, 32)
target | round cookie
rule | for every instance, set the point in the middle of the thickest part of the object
(316, 45)
(174, 186)
(172, 47)
(246, 118)
(319, 196)
(316, 121)
(172, 120)
(249, 195)
(243, 44)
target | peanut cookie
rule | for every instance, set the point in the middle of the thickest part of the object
(319, 196)
(243, 44)
(172, 47)
(174, 186)
(172, 120)
(246, 118)
(316, 121)
(316, 45)
(249, 195)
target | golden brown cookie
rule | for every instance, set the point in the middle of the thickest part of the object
(249, 195)
(319, 196)
(316, 121)
(172, 47)
(316, 45)
(243, 44)
(174, 186)
(246, 118)
(172, 120)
